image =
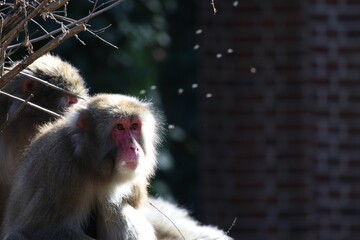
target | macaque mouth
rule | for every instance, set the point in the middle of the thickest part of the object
(130, 165)
(129, 156)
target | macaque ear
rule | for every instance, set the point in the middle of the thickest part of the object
(81, 121)
(29, 86)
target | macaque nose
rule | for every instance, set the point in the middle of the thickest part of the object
(134, 148)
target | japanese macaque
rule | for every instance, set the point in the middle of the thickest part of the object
(95, 157)
(18, 127)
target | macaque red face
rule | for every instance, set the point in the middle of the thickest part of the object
(127, 135)
(117, 142)
(66, 102)
(71, 101)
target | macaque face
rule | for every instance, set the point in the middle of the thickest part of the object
(64, 103)
(116, 138)
(127, 135)
(68, 101)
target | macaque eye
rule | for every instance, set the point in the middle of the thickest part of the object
(134, 126)
(120, 127)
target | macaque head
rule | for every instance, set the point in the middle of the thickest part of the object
(54, 71)
(45, 96)
(116, 137)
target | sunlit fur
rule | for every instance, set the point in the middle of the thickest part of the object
(181, 225)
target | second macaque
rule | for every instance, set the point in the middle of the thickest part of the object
(96, 157)
(19, 127)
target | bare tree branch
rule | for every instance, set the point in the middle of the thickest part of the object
(43, 50)
(56, 5)
(17, 26)
(2, 127)
(73, 23)
(14, 19)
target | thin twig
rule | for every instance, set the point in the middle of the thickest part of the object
(94, 6)
(92, 32)
(18, 25)
(31, 104)
(182, 236)
(8, 120)
(27, 43)
(225, 234)
(42, 28)
(102, 39)
(231, 226)
(64, 18)
(82, 20)
(14, 33)
(101, 30)
(55, 5)
(2, 53)
(213, 5)
(43, 50)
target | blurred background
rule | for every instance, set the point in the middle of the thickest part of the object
(261, 100)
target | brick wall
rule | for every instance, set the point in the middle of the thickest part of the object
(280, 135)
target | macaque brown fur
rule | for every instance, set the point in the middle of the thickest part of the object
(22, 127)
(92, 158)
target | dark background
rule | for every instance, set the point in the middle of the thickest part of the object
(271, 133)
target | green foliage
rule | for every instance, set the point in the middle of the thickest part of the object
(138, 28)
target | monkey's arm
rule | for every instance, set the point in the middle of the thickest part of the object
(123, 222)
